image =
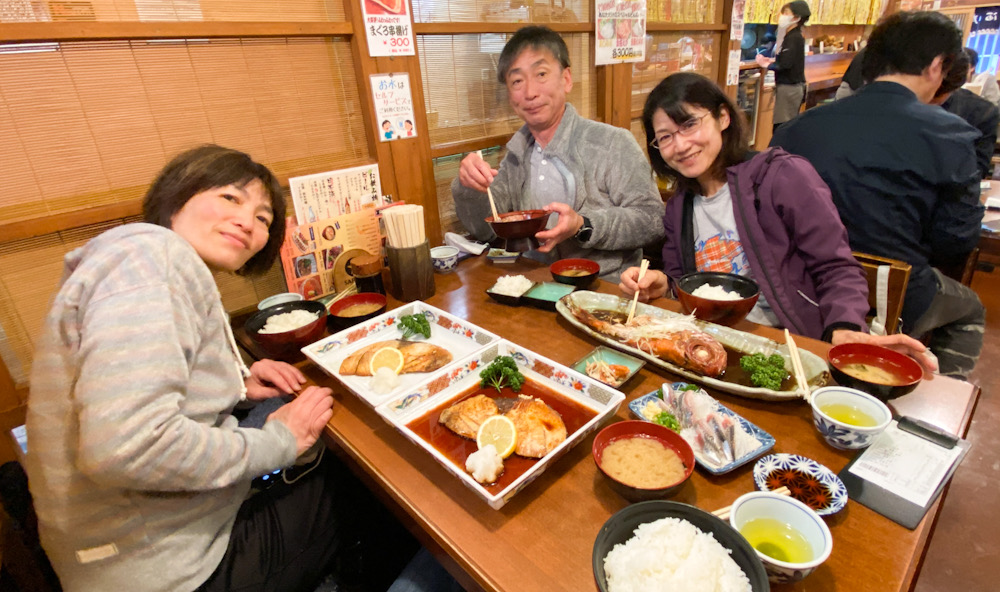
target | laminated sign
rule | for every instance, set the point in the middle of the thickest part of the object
(388, 27)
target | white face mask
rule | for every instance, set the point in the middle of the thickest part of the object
(785, 20)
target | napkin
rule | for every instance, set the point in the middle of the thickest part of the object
(463, 244)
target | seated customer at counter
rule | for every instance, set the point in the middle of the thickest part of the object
(975, 110)
(591, 174)
(903, 176)
(766, 215)
(139, 472)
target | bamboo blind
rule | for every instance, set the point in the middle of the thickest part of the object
(172, 10)
(667, 53)
(502, 11)
(90, 123)
(465, 101)
(681, 11)
(824, 12)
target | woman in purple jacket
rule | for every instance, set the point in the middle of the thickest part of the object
(765, 215)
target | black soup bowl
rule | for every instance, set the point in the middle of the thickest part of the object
(621, 526)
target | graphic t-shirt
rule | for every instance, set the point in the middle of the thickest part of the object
(717, 246)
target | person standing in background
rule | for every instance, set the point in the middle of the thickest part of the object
(789, 62)
(991, 91)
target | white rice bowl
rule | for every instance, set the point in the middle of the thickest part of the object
(288, 321)
(672, 554)
(715, 293)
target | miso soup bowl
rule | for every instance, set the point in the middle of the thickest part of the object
(905, 371)
(844, 435)
(764, 504)
(623, 430)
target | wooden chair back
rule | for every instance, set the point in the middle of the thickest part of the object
(899, 278)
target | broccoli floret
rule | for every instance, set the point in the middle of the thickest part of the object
(765, 371)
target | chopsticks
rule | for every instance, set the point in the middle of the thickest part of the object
(723, 513)
(635, 297)
(489, 193)
(404, 225)
(797, 370)
(352, 289)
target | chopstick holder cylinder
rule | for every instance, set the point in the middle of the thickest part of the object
(411, 273)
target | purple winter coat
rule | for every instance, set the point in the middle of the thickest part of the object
(794, 241)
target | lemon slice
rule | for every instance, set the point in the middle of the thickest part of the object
(499, 431)
(387, 357)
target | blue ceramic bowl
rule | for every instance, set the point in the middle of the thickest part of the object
(445, 259)
(840, 434)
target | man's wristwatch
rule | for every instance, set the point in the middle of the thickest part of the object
(586, 231)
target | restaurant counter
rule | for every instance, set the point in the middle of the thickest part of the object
(542, 539)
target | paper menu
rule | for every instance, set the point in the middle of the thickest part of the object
(327, 195)
(906, 465)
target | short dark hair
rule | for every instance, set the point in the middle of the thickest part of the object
(972, 55)
(955, 77)
(670, 95)
(537, 38)
(908, 42)
(800, 9)
(207, 167)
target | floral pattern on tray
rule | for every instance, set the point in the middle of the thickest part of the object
(454, 381)
(766, 440)
(458, 336)
(808, 481)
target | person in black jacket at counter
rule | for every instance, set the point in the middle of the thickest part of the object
(789, 62)
(977, 111)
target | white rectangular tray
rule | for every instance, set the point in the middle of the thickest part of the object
(459, 337)
(451, 383)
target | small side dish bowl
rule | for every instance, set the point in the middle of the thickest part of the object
(279, 299)
(354, 309)
(287, 343)
(612, 358)
(874, 369)
(769, 521)
(808, 481)
(445, 259)
(625, 430)
(575, 272)
(722, 312)
(621, 526)
(848, 418)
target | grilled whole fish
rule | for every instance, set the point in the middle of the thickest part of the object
(678, 341)
(418, 356)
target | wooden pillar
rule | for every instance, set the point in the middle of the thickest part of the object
(404, 164)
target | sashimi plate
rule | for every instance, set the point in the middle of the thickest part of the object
(413, 411)
(817, 374)
(456, 335)
(766, 440)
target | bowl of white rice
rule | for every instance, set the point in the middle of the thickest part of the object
(283, 329)
(721, 298)
(508, 289)
(665, 545)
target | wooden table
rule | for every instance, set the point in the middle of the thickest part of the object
(542, 539)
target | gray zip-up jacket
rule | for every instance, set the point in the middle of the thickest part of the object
(610, 180)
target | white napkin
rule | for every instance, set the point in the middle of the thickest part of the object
(464, 244)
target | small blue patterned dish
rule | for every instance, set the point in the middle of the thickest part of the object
(766, 440)
(807, 481)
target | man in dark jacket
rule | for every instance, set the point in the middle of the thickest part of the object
(977, 111)
(903, 176)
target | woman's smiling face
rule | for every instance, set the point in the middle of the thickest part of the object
(693, 152)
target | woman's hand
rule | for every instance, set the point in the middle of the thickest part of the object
(904, 344)
(567, 226)
(270, 378)
(475, 173)
(306, 416)
(654, 284)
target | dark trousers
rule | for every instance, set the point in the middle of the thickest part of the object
(286, 536)
(955, 321)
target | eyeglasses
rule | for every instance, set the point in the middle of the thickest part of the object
(685, 129)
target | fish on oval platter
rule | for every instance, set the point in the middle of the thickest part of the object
(815, 367)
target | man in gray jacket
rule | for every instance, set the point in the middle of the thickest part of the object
(593, 175)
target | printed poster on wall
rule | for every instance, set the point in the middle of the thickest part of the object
(388, 26)
(393, 106)
(736, 30)
(331, 194)
(733, 68)
(621, 31)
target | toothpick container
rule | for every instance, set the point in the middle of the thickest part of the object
(411, 272)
